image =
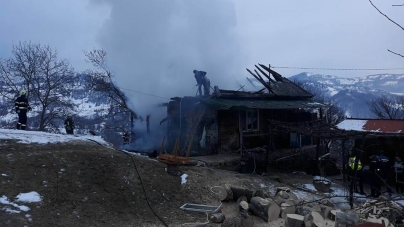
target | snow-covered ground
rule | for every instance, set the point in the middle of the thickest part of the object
(45, 137)
(13, 207)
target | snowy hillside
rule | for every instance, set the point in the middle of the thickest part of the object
(352, 94)
(29, 137)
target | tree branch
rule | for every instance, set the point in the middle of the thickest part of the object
(399, 5)
(386, 15)
(395, 53)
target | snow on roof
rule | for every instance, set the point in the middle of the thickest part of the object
(45, 137)
(373, 125)
(355, 125)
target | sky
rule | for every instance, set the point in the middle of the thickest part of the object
(153, 45)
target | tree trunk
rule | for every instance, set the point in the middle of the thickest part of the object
(287, 208)
(238, 192)
(217, 218)
(314, 220)
(259, 207)
(224, 193)
(294, 220)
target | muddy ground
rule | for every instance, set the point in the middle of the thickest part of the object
(85, 184)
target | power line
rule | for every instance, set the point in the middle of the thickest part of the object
(143, 93)
(340, 69)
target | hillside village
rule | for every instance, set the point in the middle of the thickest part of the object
(201, 113)
(273, 167)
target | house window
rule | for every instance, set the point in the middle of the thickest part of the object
(252, 119)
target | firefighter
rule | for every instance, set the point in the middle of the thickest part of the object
(21, 108)
(125, 137)
(69, 124)
(202, 80)
(359, 177)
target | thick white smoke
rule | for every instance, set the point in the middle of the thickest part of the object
(154, 45)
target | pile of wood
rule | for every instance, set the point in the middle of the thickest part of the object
(379, 211)
(284, 204)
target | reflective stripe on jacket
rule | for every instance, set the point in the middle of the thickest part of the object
(351, 163)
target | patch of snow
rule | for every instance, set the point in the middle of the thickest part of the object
(29, 197)
(346, 81)
(310, 187)
(4, 175)
(11, 211)
(356, 125)
(332, 91)
(395, 93)
(4, 200)
(45, 137)
(184, 178)
(390, 83)
(29, 217)
(263, 186)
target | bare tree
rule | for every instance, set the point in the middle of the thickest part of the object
(333, 113)
(101, 80)
(392, 21)
(387, 107)
(47, 79)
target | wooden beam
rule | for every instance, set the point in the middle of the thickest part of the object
(260, 80)
(267, 76)
(277, 76)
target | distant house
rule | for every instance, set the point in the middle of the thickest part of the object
(235, 120)
(371, 135)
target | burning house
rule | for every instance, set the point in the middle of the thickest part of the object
(230, 120)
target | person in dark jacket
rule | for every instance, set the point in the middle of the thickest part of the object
(21, 108)
(379, 168)
(399, 172)
(69, 124)
(202, 80)
(126, 136)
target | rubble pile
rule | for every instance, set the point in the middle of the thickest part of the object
(285, 208)
(384, 209)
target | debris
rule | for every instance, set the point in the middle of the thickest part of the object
(288, 207)
(333, 214)
(294, 220)
(224, 193)
(322, 185)
(260, 207)
(238, 192)
(273, 212)
(217, 218)
(243, 204)
(314, 220)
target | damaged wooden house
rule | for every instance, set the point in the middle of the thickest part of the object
(230, 120)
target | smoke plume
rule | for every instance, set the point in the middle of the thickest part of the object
(154, 45)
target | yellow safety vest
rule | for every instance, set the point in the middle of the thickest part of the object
(351, 163)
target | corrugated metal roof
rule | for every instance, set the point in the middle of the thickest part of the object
(373, 125)
(225, 104)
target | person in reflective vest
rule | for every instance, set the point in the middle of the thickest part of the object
(69, 124)
(359, 175)
(21, 108)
